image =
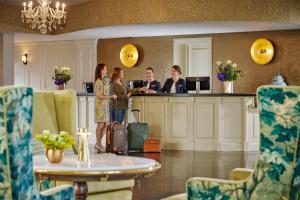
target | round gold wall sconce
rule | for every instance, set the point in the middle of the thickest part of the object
(262, 51)
(129, 55)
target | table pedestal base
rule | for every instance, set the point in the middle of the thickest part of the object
(81, 190)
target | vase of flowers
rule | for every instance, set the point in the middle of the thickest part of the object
(55, 144)
(62, 75)
(227, 73)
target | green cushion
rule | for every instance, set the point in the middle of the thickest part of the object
(66, 109)
(55, 111)
(44, 115)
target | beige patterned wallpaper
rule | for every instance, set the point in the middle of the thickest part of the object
(105, 13)
(98, 13)
(158, 53)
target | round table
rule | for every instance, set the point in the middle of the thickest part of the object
(102, 167)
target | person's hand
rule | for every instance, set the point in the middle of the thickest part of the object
(114, 96)
(143, 89)
(151, 91)
(129, 94)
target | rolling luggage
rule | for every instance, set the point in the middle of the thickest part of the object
(116, 140)
(137, 133)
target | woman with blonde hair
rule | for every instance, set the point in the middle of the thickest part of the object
(102, 98)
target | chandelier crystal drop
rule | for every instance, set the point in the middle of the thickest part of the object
(42, 16)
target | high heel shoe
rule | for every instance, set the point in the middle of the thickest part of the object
(99, 149)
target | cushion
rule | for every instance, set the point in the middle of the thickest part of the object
(44, 115)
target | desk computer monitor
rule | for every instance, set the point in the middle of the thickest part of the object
(88, 87)
(136, 83)
(204, 83)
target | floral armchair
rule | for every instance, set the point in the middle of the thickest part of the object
(17, 180)
(277, 173)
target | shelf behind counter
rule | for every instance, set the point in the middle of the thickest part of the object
(206, 122)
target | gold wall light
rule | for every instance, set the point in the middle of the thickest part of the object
(262, 51)
(129, 55)
(24, 59)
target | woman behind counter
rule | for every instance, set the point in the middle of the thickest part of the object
(175, 84)
(120, 104)
(102, 115)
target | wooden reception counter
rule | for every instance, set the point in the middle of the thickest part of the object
(206, 122)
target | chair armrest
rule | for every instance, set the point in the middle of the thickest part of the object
(240, 173)
(210, 188)
(65, 192)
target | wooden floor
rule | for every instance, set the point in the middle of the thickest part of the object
(178, 166)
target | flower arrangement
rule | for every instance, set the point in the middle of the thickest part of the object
(61, 75)
(60, 141)
(228, 72)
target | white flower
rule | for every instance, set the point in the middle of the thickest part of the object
(228, 62)
(234, 65)
(46, 132)
(218, 63)
(63, 132)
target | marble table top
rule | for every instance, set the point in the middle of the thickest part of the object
(98, 165)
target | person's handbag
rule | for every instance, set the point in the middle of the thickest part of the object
(152, 144)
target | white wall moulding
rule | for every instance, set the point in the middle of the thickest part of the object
(194, 55)
(192, 123)
(80, 56)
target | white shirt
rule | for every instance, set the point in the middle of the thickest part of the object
(148, 85)
(173, 88)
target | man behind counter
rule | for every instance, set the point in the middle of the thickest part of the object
(151, 85)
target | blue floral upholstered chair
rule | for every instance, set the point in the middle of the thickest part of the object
(17, 180)
(277, 172)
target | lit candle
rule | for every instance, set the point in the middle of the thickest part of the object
(30, 4)
(24, 4)
(57, 5)
(63, 7)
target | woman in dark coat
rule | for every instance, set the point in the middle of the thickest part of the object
(175, 84)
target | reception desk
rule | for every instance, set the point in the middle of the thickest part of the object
(206, 122)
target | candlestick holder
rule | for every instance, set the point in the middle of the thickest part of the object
(83, 151)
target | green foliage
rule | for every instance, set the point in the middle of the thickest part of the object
(63, 140)
(228, 71)
(62, 73)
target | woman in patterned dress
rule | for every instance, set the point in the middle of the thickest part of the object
(102, 97)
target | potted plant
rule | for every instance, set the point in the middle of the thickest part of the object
(55, 144)
(228, 73)
(62, 75)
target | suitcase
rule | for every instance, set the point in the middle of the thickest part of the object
(116, 139)
(137, 133)
(152, 145)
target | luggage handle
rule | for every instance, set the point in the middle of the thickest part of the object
(153, 137)
(137, 110)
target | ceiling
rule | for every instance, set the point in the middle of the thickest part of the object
(146, 30)
(20, 2)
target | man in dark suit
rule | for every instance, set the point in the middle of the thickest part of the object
(151, 85)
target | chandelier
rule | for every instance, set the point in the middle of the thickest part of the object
(43, 17)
